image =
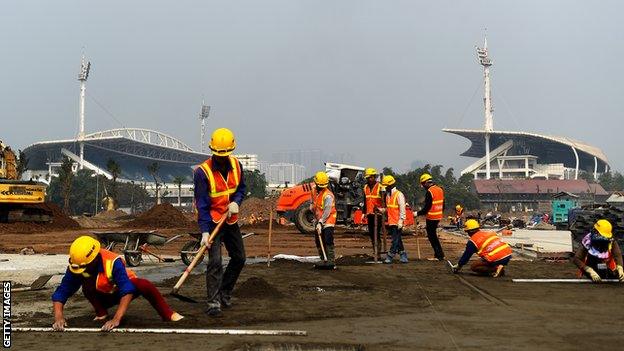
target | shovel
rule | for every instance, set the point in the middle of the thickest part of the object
(38, 284)
(198, 257)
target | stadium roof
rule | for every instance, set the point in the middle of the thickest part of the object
(133, 148)
(536, 186)
(549, 149)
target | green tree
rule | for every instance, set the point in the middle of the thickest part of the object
(114, 169)
(178, 180)
(66, 177)
(153, 169)
(256, 184)
(22, 164)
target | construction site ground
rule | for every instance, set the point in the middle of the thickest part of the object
(360, 305)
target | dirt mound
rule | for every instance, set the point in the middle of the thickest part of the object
(161, 216)
(354, 260)
(254, 210)
(257, 288)
(111, 214)
(60, 221)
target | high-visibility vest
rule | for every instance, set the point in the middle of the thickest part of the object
(609, 261)
(222, 188)
(436, 212)
(489, 246)
(373, 197)
(104, 281)
(392, 206)
(319, 206)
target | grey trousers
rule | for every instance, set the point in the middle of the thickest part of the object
(217, 281)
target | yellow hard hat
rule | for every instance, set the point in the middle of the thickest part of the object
(458, 207)
(604, 227)
(321, 179)
(370, 172)
(222, 142)
(425, 177)
(82, 252)
(471, 224)
(388, 180)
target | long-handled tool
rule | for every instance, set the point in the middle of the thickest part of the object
(270, 232)
(196, 260)
(375, 236)
(144, 248)
(320, 239)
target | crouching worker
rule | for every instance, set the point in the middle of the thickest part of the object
(105, 282)
(599, 256)
(495, 254)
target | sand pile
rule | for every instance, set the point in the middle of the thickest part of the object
(111, 214)
(254, 210)
(161, 216)
(258, 288)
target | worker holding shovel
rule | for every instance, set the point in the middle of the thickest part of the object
(324, 208)
(219, 191)
(105, 282)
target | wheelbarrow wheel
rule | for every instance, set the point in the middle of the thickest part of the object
(133, 259)
(186, 255)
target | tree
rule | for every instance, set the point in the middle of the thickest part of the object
(22, 164)
(66, 177)
(153, 169)
(178, 180)
(256, 184)
(114, 169)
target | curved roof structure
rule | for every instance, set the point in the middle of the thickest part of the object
(133, 148)
(549, 149)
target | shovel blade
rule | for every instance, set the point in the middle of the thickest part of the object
(183, 298)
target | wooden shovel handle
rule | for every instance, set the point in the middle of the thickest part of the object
(199, 256)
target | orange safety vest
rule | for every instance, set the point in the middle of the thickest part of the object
(489, 246)
(436, 211)
(373, 197)
(609, 261)
(319, 206)
(104, 280)
(222, 188)
(392, 206)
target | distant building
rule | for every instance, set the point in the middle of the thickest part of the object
(313, 160)
(248, 161)
(280, 173)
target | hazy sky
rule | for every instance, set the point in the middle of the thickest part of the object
(377, 79)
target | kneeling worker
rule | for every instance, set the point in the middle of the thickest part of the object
(495, 254)
(599, 256)
(324, 208)
(105, 282)
(395, 207)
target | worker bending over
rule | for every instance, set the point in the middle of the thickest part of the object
(495, 254)
(599, 256)
(219, 191)
(395, 211)
(433, 210)
(324, 208)
(372, 204)
(105, 282)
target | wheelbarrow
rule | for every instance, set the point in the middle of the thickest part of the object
(135, 243)
(189, 250)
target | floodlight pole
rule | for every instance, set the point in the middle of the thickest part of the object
(203, 115)
(85, 66)
(484, 60)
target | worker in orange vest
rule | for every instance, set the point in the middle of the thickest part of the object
(459, 213)
(219, 190)
(105, 282)
(324, 208)
(395, 212)
(599, 256)
(372, 204)
(433, 210)
(495, 254)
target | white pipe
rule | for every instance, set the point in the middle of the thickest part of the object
(595, 168)
(172, 331)
(562, 281)
(577, 163)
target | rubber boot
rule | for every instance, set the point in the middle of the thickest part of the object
(403, 257)
(389, 258)
(331, 256)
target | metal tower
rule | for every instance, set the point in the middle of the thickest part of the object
(484, 60)
(205, 112)
(85, 67)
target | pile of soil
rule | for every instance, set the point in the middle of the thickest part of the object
(255, 211)
(60, 221)
(111, 214)
(161, 216)
(257, 288)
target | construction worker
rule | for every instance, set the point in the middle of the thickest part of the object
(459, 213)
(599, 256)
(105, 282)
(495, 254)
(372, 204)
(433, 210)
(219, 191)
(395, 210)
(324, 208)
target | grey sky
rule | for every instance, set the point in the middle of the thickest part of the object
(377, 79)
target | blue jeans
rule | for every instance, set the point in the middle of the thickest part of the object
(397, 241)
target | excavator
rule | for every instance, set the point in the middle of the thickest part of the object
(20, 201)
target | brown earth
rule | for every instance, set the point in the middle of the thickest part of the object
(161, 216)
(60, 221)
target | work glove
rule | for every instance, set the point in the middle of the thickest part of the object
(592, 274)
(59, 324)
(232, 209)
(204, 239)
(319, 227)
(400, 224)
(620, 272)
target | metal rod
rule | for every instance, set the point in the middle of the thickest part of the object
(562, 281)
(270, 232)
(172, 331)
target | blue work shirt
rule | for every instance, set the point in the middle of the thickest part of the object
(203, 202)
(471, 249)
(72, 282)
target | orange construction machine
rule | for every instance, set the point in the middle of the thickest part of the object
(347, 184)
